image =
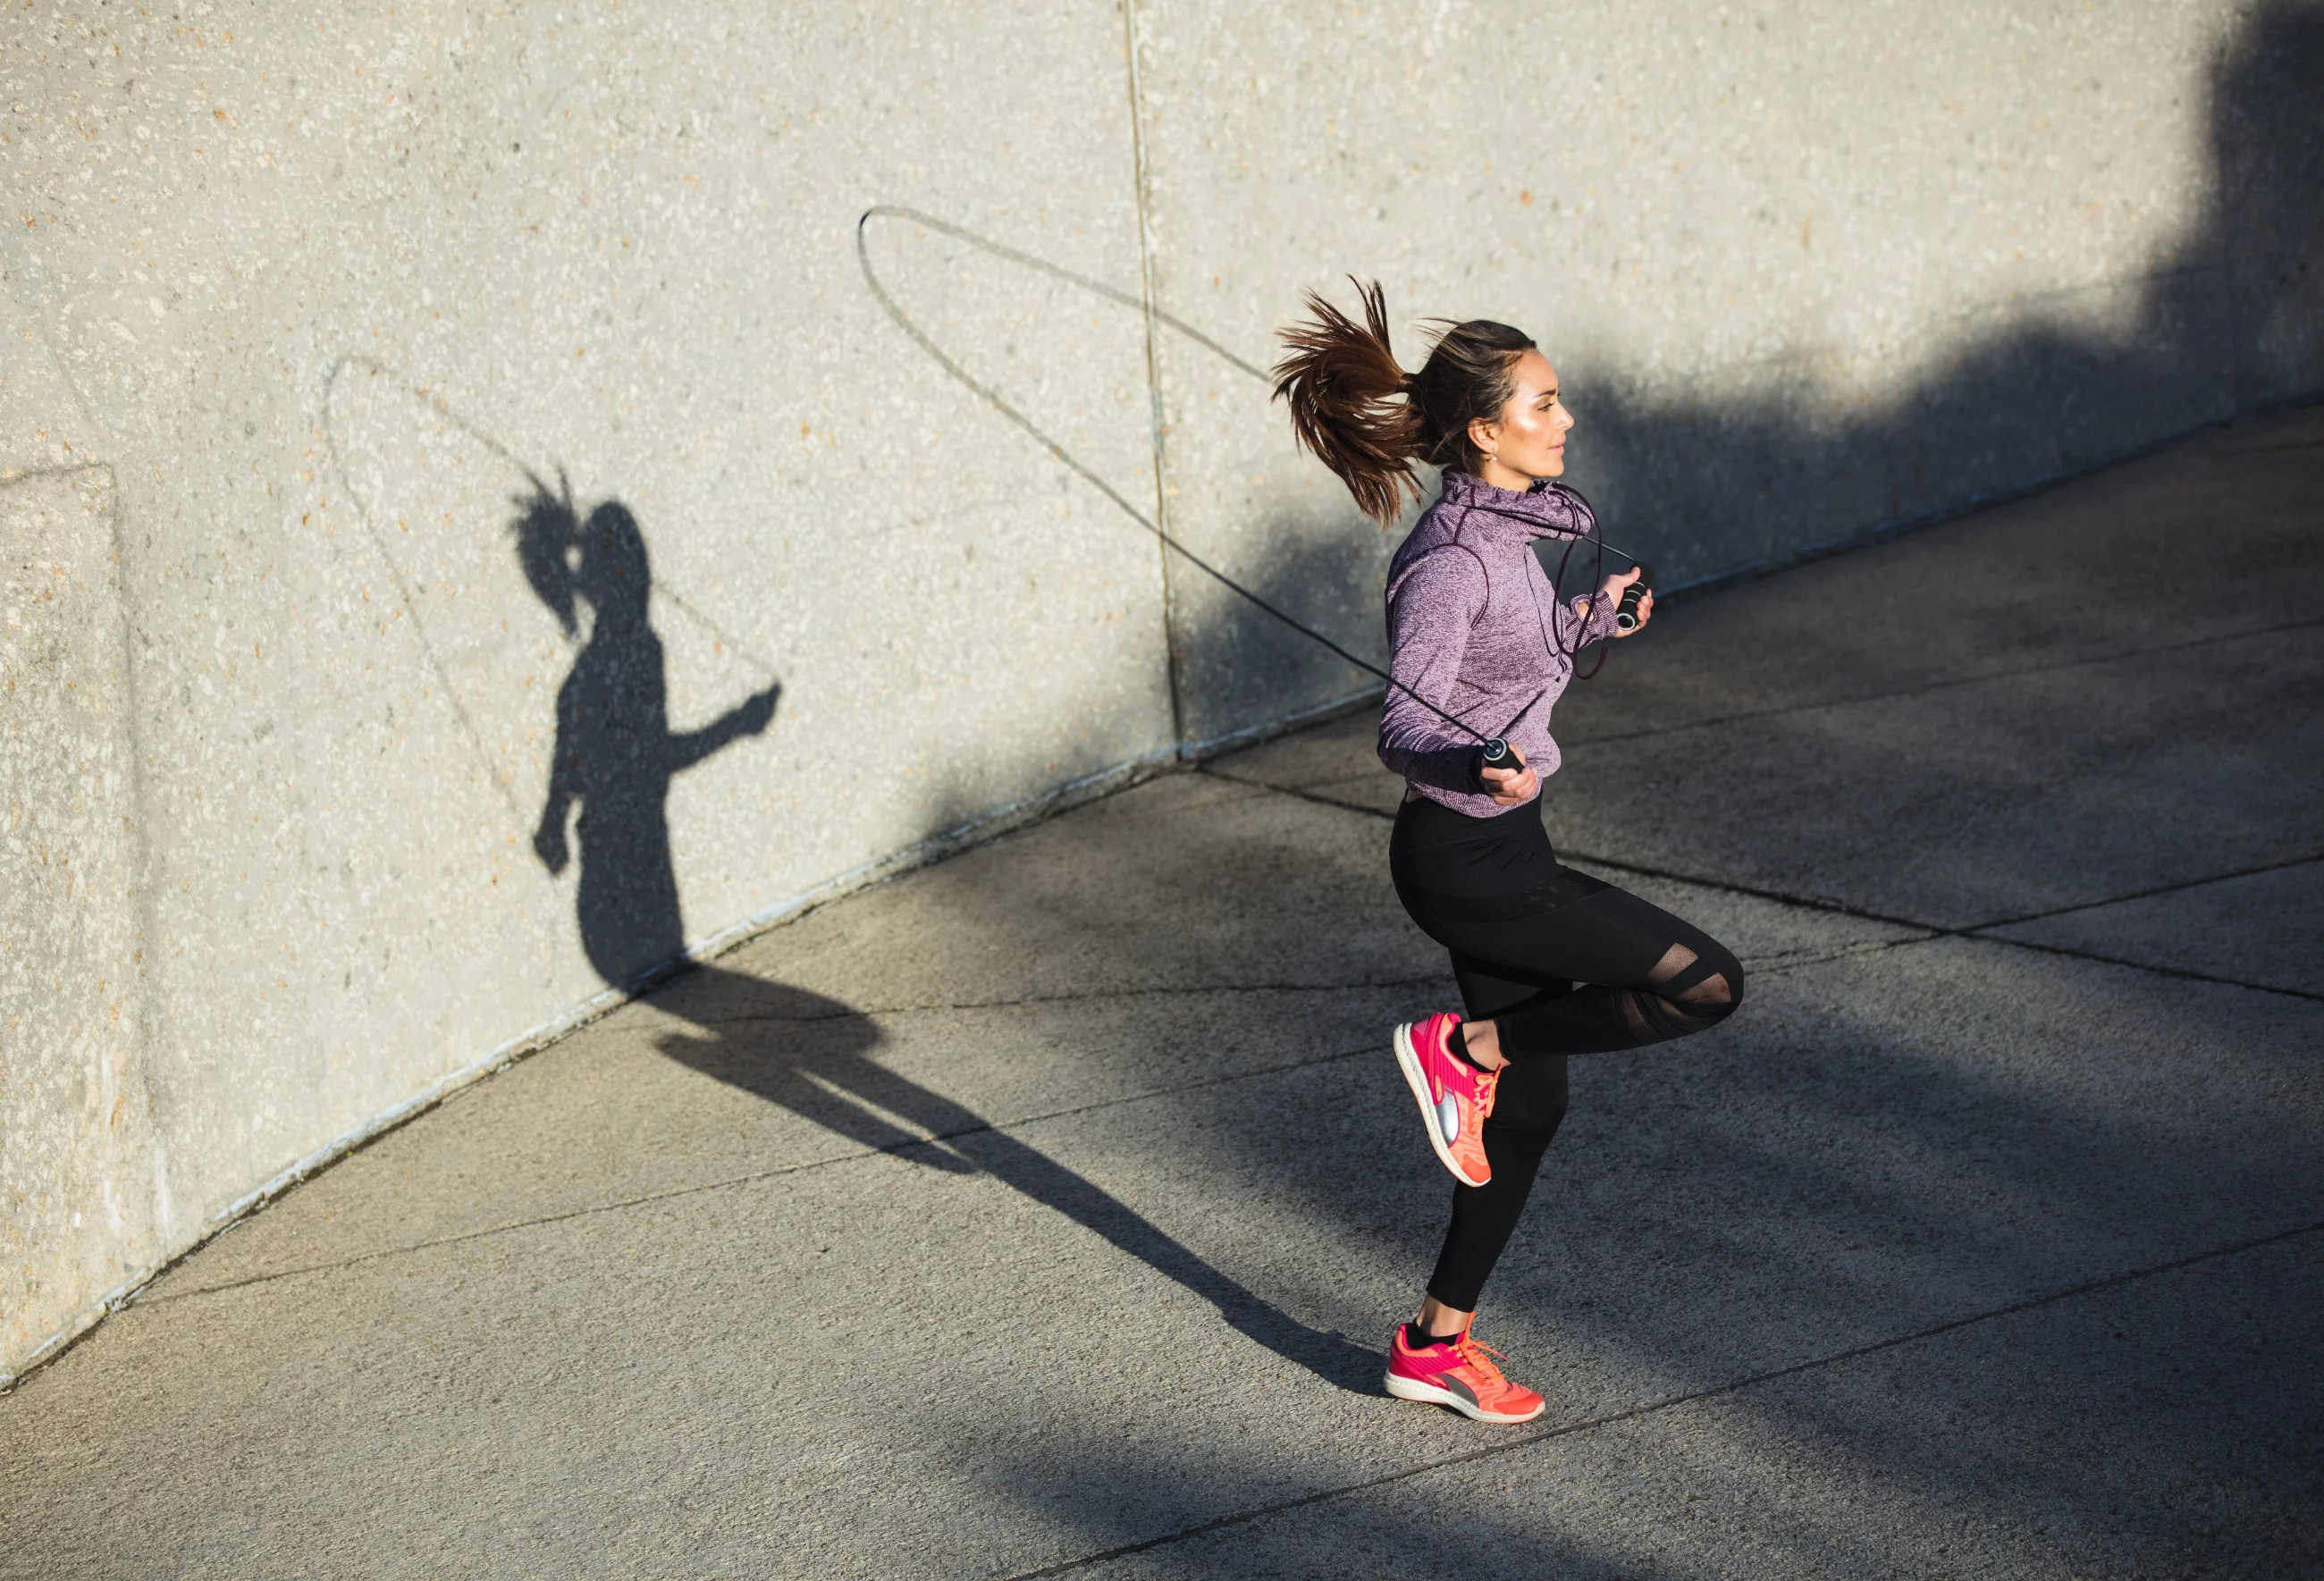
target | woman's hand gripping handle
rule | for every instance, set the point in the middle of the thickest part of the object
(1633, 601)
(1505, 777)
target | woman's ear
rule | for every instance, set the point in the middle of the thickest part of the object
(1484, 436)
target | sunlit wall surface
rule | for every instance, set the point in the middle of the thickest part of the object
(491, 497)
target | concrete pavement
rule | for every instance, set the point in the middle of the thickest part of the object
(1045, 1212)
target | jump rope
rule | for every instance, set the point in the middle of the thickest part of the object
(1496, 751)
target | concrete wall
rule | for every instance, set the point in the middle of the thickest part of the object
(305, 308)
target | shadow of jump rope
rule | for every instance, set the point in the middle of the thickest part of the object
(368, 512)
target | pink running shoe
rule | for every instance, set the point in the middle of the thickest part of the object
(1454, 1096)
(1458, 1373)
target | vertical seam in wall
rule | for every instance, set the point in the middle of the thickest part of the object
(70, 1326)
(142, 863)
(1139, 193)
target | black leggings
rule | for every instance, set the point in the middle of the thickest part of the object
(1561, 963)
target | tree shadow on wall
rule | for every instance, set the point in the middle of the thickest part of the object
(615, 757)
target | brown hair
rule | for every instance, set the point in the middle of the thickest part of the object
(1367, 420)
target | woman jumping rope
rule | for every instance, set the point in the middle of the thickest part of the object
(1549, 961)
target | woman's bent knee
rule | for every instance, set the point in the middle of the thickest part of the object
(1696, 1000)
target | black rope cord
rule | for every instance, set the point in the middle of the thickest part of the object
(1496, 750)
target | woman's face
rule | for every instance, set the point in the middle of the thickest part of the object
(1528, 438)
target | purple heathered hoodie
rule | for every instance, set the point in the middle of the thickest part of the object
(1474, 626)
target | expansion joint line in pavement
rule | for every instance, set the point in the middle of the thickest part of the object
(1982, 933)
(905, 1144)
(898, 1148)
(1949, 682)
(1923, 931)
(1081, 997)
(1515, 1442)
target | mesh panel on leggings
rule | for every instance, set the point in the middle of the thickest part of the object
(1690, 994)
(1641, 976)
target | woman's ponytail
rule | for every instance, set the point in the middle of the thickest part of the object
(1368, 421)
(1348, 401)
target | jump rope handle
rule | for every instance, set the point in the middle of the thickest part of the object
(1499, 754)
(1625, 613)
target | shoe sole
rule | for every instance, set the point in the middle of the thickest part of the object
(1404, 1388)
(1407, 1059)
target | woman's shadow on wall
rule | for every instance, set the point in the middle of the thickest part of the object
(616, 756)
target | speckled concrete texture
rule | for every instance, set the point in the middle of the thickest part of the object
(587, 482)
(1044, 1211)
